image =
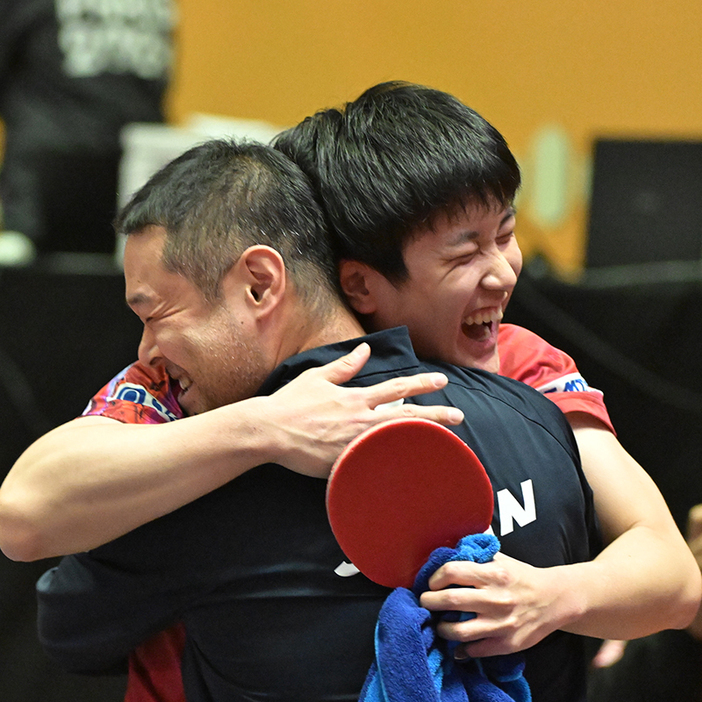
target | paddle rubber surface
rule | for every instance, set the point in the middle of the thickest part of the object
(402, 489)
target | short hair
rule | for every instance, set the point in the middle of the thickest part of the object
(393, 160)
(222, 196)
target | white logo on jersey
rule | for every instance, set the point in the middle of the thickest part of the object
(390, 405)
(573, 382)
(511, 511)
(346, 570)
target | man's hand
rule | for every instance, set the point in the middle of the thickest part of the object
(318, 418)
(516, 604)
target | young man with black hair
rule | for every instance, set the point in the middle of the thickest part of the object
(227, 265)
(418, 190)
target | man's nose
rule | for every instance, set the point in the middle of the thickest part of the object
(500, 274)
(149, 353)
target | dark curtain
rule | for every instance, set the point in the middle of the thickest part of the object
(62, 336)
(638, 338)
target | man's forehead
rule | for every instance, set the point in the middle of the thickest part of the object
(143, 247)
(143, 265)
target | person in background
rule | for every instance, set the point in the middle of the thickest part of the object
(72, 74)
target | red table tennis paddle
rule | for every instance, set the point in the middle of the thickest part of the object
(400, 490)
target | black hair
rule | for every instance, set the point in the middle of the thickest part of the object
(394, 159)
(221, 197)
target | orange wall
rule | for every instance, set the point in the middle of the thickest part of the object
(545, 72)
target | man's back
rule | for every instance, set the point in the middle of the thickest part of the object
(253, 568)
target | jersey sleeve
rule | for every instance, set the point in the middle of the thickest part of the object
(140, 395)
(526, 357)
(137, 395)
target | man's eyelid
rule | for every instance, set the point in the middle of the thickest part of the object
(507, 228)
(155, 316)
(509, 222)
(466, 254)
(137, 303)
(135, 309)
(144, 318)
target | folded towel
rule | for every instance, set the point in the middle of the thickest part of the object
(412, 664)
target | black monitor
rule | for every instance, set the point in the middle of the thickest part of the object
(646, 204)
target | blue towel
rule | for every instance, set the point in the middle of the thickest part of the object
(412, 664)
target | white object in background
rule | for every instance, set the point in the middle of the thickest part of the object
(147, 147)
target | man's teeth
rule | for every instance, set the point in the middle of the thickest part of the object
(184, 383)
(484, 317)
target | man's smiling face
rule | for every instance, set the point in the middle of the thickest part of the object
(209, 348)
(462, 272)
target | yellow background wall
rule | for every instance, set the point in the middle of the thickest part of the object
(549, 74)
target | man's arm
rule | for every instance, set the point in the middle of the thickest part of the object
(644, 580)
(93, 479)
(612, 650)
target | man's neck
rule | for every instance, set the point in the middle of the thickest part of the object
(342, 327)
(314, 332)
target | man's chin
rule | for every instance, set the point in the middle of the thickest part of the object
(197, 404)
(189, 407)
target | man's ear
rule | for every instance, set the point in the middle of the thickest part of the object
(356, 280)
(260, 274)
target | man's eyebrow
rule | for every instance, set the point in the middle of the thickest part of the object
(470, 235)
(509, 213)
(462, 237)
(136, 300)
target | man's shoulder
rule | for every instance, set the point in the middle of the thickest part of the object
(483, 380)
(477, 391)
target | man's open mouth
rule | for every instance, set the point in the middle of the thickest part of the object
(481, 325)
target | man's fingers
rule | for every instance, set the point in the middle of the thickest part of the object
(457, 574)
(343, 369)
(384, 394)
(483, 648)
(441, 414)
(407, 386)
